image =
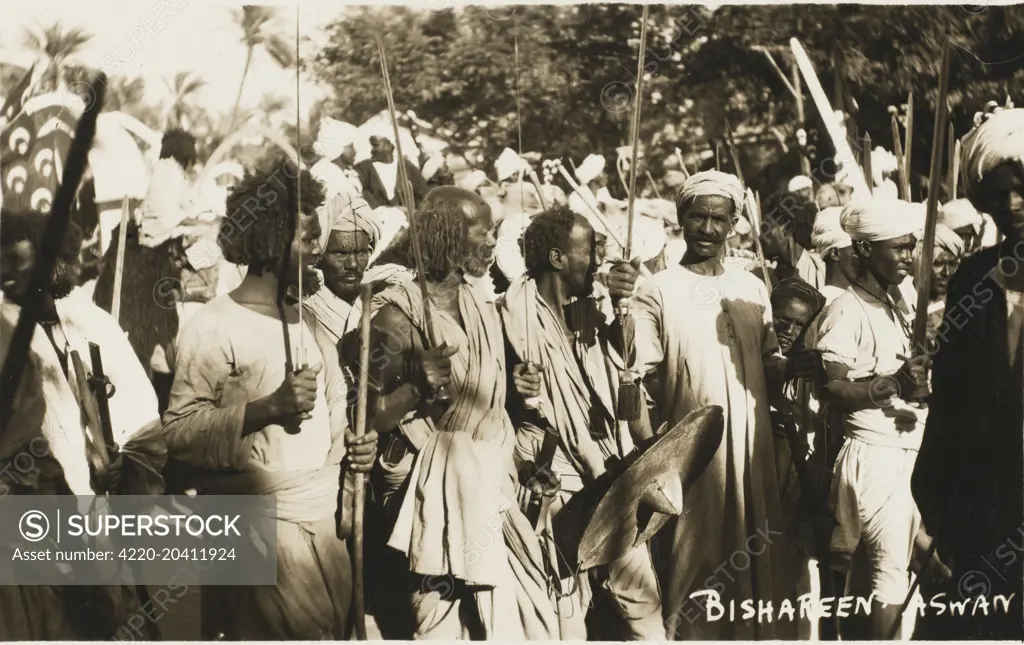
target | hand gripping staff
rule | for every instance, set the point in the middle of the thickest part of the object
(441, 395)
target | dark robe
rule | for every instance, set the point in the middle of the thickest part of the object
(373, 189)
(969, 477)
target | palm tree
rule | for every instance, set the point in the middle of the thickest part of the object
(124, 93)
(259, 29)
(57, 45)
(181, 109)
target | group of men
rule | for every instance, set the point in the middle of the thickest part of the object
(487, 401)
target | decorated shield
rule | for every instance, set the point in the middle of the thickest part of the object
(34, 145)
(625, 508)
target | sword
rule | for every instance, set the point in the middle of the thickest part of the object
(843, 152)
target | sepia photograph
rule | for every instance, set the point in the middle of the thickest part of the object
(449, 320)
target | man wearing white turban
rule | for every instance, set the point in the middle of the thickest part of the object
(705, 331)
(335, 143)
(834, 246)
(865, 339)
(968, 474)
(349, 233)
(961, 216)
(519, 194)
(594, 188)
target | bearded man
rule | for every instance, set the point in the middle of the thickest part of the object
(706, 329)
(248, 425)
(967, 481)
(578, 386)
(456, 458)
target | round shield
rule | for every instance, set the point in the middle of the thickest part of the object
(610, 518)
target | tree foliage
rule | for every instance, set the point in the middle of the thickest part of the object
(577, 65)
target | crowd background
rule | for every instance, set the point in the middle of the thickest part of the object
(454, 67)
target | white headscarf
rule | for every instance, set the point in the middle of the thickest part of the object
(508, 164)
(591, 167)
(947, 240)
(878, 220)
(959, 213)
(713, 182)
(828, 233)
(333, 137)
(996, 141)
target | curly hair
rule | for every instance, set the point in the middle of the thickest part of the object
(441, 227)
(180, 146)
(30, 226)
(548, 230)
(261, 213)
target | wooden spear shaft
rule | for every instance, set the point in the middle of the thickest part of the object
(122, 239)
(358, 568)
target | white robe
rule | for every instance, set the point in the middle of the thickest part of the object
(708, 337)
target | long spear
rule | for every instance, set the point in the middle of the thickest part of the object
(630, 404)
(924, 290)
(49, 249)
(750, 204)
(441, 395)
(122, 239)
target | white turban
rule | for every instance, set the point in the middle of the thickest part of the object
(508, 164)
(959, 213)
(333, 137)
(800, 182)
(882, 163)
(473, 180)
(391, 220)
(996, 141)
(947, 240)
(346, 212)
(828, 233)
(877, 220)
(713, 182)
(431, 166)
(591, 167)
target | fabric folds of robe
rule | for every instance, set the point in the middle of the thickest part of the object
(230, 356)
(536, 335)
(50, 392)
(461, 493)
(708, 337)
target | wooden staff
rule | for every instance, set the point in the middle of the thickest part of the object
(53, 240)
(753, 209)
(909, 140)
(951, 168)
(441, 394)
(654, 186)
(122, 237)
(631, 402)
(682, 164)
(358, 569)
(866, 156)
(901, 169)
